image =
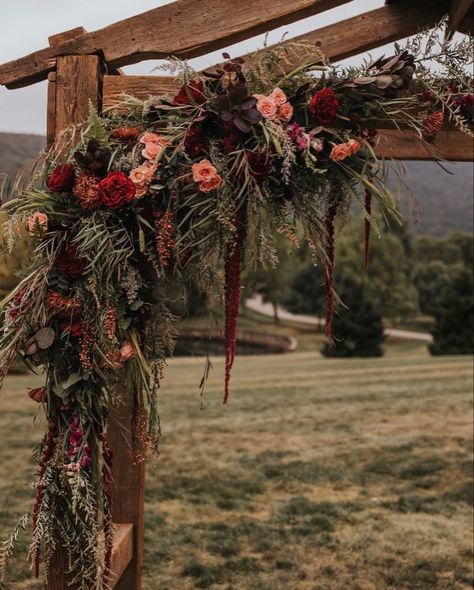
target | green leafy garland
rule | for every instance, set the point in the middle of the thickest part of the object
(171, 191)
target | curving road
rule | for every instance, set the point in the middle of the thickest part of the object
(256, 304)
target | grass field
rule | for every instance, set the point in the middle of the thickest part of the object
(319, 475)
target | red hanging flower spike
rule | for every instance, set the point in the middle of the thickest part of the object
(367, 226)
(233, 267)
(164, 236)
(329, 268)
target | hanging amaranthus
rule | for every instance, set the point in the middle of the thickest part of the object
(329, 266)
(232, 270)
(367, 226)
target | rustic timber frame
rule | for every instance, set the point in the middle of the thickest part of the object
(82, 67)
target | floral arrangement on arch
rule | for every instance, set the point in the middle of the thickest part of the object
(160, 193)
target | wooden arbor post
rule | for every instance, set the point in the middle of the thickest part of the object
(74, 64)
(76, 82)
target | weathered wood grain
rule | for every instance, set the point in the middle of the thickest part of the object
(406, 145)
(338, 41)
(141, 87)
(186, 28)
(51, 110)
(66, 36)
(122, 552)
(128, 490)
(78, 80)
(457, 11)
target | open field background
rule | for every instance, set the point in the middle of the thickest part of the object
(319, 475)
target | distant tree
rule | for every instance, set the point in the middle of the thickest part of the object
(431, 279)
(358, 330)
(306, 294)
(454, 320)
(274, 284)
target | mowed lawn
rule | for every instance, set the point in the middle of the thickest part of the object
(319, 475)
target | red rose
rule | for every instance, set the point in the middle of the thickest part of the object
(69, 263)
(467, 107)
(195, 142)
(259, 165)
(116, 190)
(61, 179)
(194, 90)
(231, 142)
(74, 329)
(324, 106)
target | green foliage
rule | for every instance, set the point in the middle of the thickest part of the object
(358, 330)
(454, 327)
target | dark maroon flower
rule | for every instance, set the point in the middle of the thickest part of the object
(467, 106)
(69, 263)
(259, 165)
(116, 190)
(192, 92)
(324, 107)
(61, 180)
(195, 142)
(231, 142)
(74, 329)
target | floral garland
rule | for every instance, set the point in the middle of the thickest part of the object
(184, 190)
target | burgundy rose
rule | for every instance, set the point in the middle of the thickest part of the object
(61, 180)
(74, 329)
(231, 142)
(467, 106)
(324, 106)
(259, 165)
(69, 263)
(195, 142)
(192, 92)
(116, 190)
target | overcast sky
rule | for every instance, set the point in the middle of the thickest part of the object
(26, 25)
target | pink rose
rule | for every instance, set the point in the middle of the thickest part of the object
(285, 112)
(206, 186)
(37, 222)
(126, 351)
(267, 107)
(340, 152)
(354, 146)
(279, 97)
(153, 138)
(152, 151)
(203, 171)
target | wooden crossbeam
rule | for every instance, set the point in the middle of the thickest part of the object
(122, 552)
(186, 28)
(338, 41)
(466, 26)
(457, 12)
(406, 145)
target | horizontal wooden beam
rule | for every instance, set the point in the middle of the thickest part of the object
(406, 145)
(338, 41)
(186, 28)
(122, 551)
(457, 11)
(466, 26)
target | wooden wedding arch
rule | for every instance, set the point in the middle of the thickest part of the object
(82, 66)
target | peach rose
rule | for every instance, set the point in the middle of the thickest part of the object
(153, 138)
(354, 146)
(267, 107)
(259, 96)
(279, 97)
(37, 222)
(126, 351)
(152, 151)
(143, 173)
(206, 186)
(285, 112)
(203, 171)
(340, 152)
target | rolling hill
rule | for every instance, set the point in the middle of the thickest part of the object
(445, 200)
